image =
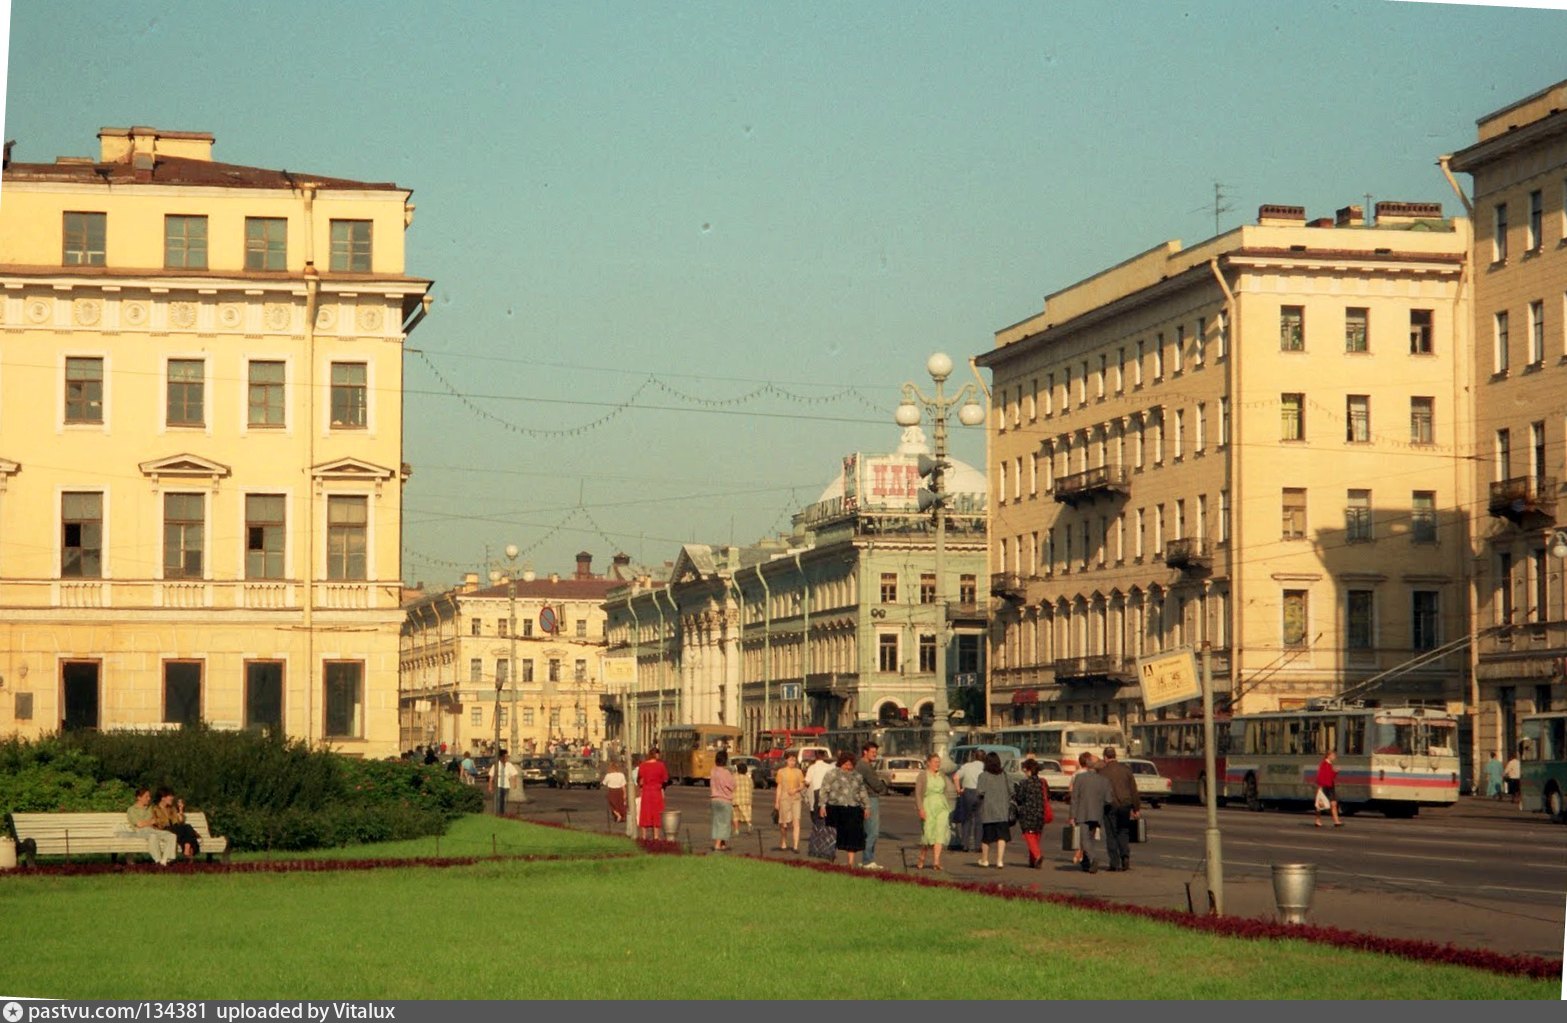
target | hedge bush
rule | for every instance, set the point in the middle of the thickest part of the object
(261, 792)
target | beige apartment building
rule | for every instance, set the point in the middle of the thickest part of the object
(1255, 443)
(201, 464)
(1519, 170)
(468, 666)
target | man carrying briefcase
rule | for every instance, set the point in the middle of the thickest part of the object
(1125, 806)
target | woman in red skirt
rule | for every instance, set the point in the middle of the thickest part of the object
(652, 776)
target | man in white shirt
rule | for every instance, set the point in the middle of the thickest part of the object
(967, 778)
(814, 775)
(504, 776)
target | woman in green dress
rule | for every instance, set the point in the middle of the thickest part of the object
(934, 796)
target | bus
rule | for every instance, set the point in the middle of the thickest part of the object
(890, 740)
(1543, 780)
(772, 742)
(1175, 746)
(1392, 759)
(688, 749)
(1063, 741)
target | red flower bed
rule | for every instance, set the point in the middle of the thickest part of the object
(282, 866)
(1537, 967)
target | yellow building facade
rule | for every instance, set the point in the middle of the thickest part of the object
(1519, 170)
(200, 416)
(1254, 443)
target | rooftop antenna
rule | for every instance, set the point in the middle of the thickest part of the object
(1219, 204)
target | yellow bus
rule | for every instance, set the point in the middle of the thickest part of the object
(688, 749)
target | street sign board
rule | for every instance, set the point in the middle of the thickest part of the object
(619, 671)
(789, 690)
(1170, 677)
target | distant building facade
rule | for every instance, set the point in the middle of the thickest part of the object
(201, 369)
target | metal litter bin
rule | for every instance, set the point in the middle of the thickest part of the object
(671, 824)
(7, 853)
(1293, 886)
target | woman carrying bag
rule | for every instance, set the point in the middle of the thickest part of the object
(995, 811)
(1031, 806)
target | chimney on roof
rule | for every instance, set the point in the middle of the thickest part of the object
(554, 577)
(584, 565)
(470, 582)
(1274, 215)
(141, 147)
(620, 566)
(1396, 214)
(1321, 222)
(1349, 216)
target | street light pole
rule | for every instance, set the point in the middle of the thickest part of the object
(971, 413)
(511, 674)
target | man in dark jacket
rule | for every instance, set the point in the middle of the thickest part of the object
(877, 787)
(1124, 806)
(1090, 796)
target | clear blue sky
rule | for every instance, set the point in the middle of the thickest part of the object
(721, 196)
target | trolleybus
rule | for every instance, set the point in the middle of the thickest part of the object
(890, 740)
(1543, 781)
(1175, 746)
(772, 742)
(688, 749)
(1392, 759)
(1063, 741)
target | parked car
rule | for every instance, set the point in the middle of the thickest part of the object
(1058, 781)
(1152, 787)
(900, 773)
(570, 771)
(805, 754)
(481, 769)
(536, 770)
(761, 774)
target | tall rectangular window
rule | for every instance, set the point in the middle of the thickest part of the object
(266, 243)
(1180, 434)
(1224, 516)
(1224, 421)
(1499, 232)
(1426, 617)
(1224, 336)
(186, 390)
(182, 692)
(1420, 328)
(1158, 530)
(1536, 333)
(527, 670)
(968, 589)
(1296, 613)
(350, 396)
(1050, 395)
(1201, 531)
(266, 394)
(1536, 219)
(1137, 366)
(1201, 422)
(1357, 412)
(927, 653)
(83, 239)
(1294, 508)
(81, 535)
(1537, 449)
(264, 535)
(1422, 520)
(1200, 349)
(184, 528)
(1358, 619)
(1158, 356)
(1137, 538)
(83, 390)
(927, 587)
(1504, 454)
(1357, 516)
(1292, 328)
(1504, 588)
(264, 696)
(347, 536)
(887, 652)
(1356, 338)
(1422, 420)
(1033, 400)
(889, 587)
(1292, 416)
(184, 242)
(475, 670)
(345, 699)
(351, 245)
(1099, 379)
(1120, 370)
(1179, 351)
(502, 671)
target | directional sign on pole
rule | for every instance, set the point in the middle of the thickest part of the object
(1167, 678)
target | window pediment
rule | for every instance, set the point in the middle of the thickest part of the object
(184, 467)
(351, 469)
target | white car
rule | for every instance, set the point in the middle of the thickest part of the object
(1152, 787)
(900, 773)
(1057, 780)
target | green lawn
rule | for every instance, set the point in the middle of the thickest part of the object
(644, 926)
(473, 835)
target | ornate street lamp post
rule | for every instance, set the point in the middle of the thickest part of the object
(971, 413)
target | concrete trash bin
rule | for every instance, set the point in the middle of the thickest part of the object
(7, 853)
(1293, 886)
(671, 824)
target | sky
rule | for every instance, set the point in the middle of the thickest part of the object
(686, 255)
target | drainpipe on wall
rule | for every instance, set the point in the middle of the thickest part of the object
(1232, 325)
(1443, 162)
(312, 298)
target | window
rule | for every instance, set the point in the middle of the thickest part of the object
(266, 243)
(501, 716)
(579, 670)
(1179, 352)
(1499, 232)
(1536, 333)
(1504, 588)
(501, 627)
(1099, 380)
(264, 696)
(1422, 522)
(1357, 516)
(1202, 427)
(83, 235)
(927, 587)
(1158, 356)
(1293, 424)
(347, 526)
(554, 718)
(502, 671)
(527, 627)
(889, 587)
(1504, 454)
(1537, 449)
(1295, 612)
(351, 245)
(349, 395)
(1050, 396)
(184, 518)
(83, 390)
(1137, 367)
(473, 627)
(1294, 506)
(1224, 421)
(968, 589)
(554, 669)
(476, 716)
(1158, 438)
(344, 699)
(1355, 337)
(186, 387)
(527, 670)
(1224, 516)
(1033, 400)
(582, 628)
(1158, 530)
(1201, 531)
(182, 692)
(1137, 538)
(1357, 413)
(264, 536)
(1422, 414)
(1358, 620)
(1120, 370)
(1292, 328)
(1419, 332)
(1082, 385)
(266, 394)
(476, 670)
(1423, 628)
(1224, 336)
(887, 652)
(1180, 434)
(1536, 214)
(184, 242)
(1200, 349)
(1180, 520)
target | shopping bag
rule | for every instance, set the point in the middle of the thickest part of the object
(1323, 802)
(824, 841)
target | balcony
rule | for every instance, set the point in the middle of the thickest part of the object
(967, 612)
(1094, 668)
(1189, 555)
(1106, 481)
(1524, 497)
(1008, 586)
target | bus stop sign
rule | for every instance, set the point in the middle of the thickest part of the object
(1169, 678)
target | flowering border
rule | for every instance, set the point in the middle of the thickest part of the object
(292, 866)
(1537, 967)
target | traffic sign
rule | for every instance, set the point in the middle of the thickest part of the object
(1167, 678)
(549, 622)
